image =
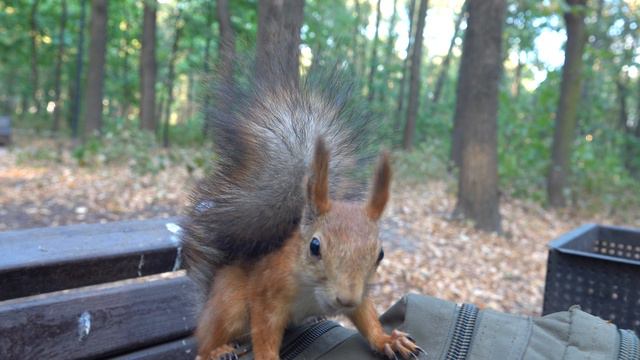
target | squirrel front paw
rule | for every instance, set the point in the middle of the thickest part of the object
(224, 352)
(399, 343)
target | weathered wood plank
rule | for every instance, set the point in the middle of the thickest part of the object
(183, 349)
(100, 320)
(51, 259)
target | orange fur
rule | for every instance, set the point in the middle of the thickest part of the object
(262, 297)
(318, 183)
(250, 299)
(380, 192)
(365, 318)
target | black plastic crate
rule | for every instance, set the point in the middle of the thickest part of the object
(598, 268)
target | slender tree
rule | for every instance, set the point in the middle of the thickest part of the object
(444, 69)
(566, 116)
(227, 42)
(226, 53)
(75, 113)
(278, 41)
(355, 36)
(95, 78)
(637, 132)
(360, 46)
(58, 70)
(476, 114)
(148, 67)
(171, 78)
(391, 40)
(622, 93)
(128, 91)
(414, 79)
(374, 55)
(206, 59)
(597, 41)
(33, 34)
(405, 65)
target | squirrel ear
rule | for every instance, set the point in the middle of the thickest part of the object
(318, 181)
(380, 189)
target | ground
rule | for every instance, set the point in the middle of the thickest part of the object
(426, 251)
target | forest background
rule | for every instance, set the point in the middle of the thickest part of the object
(105, 99)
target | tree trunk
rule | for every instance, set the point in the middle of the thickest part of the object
(170, 80)
(95, 78)
(148, 68)
(374, 55)
(206, 103)
(206, 59)
(444, 69)
(8, 106)
(566, 116)
(362, 47)
(226, 53)
(405, 66)
(278, 40)
(33, 32)
(623, 113)
(391, 39)
(476, 113)
(414, 79)
(227, 41)
(637, 131)
(75, 114)
(127, 90)
(355, 41)
(58, 71)
(517, 79)
(598, 41)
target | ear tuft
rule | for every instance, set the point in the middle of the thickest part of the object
(380, 188)
(318, 181)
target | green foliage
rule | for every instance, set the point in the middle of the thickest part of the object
(36, 156)
(428, 161)
(122, 142)
(605, 169)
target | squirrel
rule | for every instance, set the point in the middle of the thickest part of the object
(279, 231)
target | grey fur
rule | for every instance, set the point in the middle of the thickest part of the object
(264, 138)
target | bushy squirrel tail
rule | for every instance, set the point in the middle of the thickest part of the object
(264, 133)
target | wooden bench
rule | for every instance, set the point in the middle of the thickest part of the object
(94, 292)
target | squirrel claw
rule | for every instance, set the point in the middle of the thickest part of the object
(224, 352)
(228, 356)
(401, 346)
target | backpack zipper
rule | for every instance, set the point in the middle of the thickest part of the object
(462, 332)
(629, 347)
(304, 340)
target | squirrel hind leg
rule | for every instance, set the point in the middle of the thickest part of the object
(224, 316)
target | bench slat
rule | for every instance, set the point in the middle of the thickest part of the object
(183, 349)
(52, 259)
(100, 320)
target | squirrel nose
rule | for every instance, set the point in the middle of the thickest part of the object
(346, 302)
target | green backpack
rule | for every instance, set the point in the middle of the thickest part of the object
(447, 331)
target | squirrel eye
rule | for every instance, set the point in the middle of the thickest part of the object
(380, 256)
(314, 246)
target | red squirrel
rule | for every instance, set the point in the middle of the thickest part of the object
(279, 232)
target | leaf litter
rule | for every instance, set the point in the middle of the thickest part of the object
(425, 250)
